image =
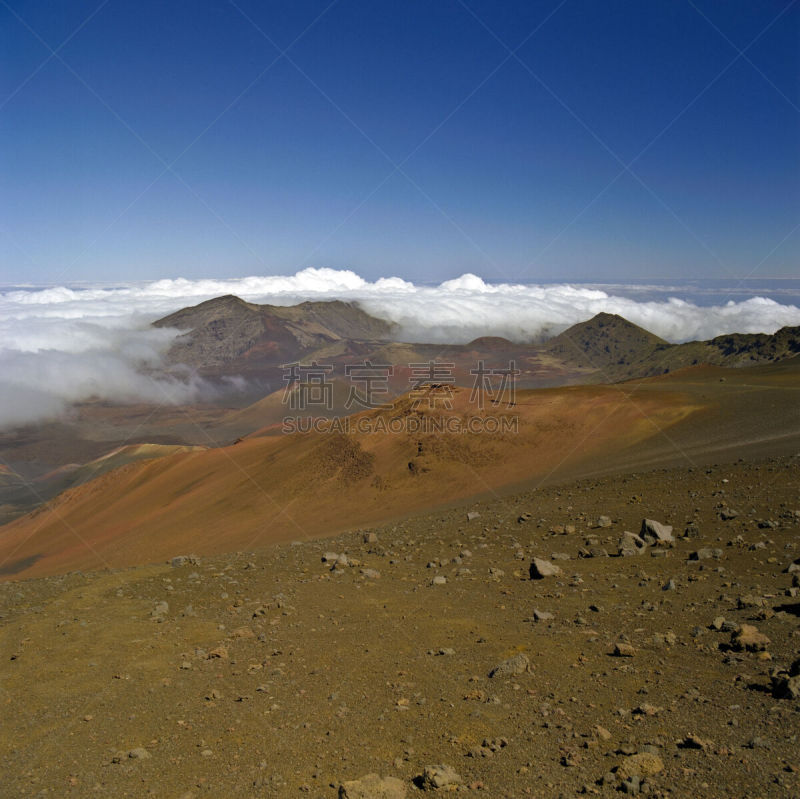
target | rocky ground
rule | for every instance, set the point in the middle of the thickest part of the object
(425, 653)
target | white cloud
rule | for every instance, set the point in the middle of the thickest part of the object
(63, 344)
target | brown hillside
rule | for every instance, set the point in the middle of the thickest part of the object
(279, 487)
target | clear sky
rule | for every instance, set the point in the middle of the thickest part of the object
(582, 140)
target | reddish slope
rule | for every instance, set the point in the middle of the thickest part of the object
(279, 487)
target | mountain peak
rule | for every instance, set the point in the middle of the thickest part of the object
(604, 340)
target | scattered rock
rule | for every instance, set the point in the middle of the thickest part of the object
(371, 574)
(472, 515)
(757, 742)
(631, 544)
(706, 553)
(747, 637)
(184, 560)
(623, 650)
(603, 521)
(518, 664)
(785, 687)
(691, 531)
(786, 684)
(543, 568)
(654, 532)
(643, 764)
(692, 741)
(749, 601)
(373, 787)
(542, 615)
(438, 776)
(602, 733)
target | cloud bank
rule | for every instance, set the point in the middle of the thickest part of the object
(60, 345)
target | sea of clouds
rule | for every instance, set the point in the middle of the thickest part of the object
(60, 345)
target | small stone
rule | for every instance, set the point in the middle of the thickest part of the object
(603, 521)
(370, 538)
(439, 580)
(542, 615)
(472, 515)
(140, 753)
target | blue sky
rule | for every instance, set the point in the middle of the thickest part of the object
(419, 138)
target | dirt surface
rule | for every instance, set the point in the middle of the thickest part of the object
(277, 674)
